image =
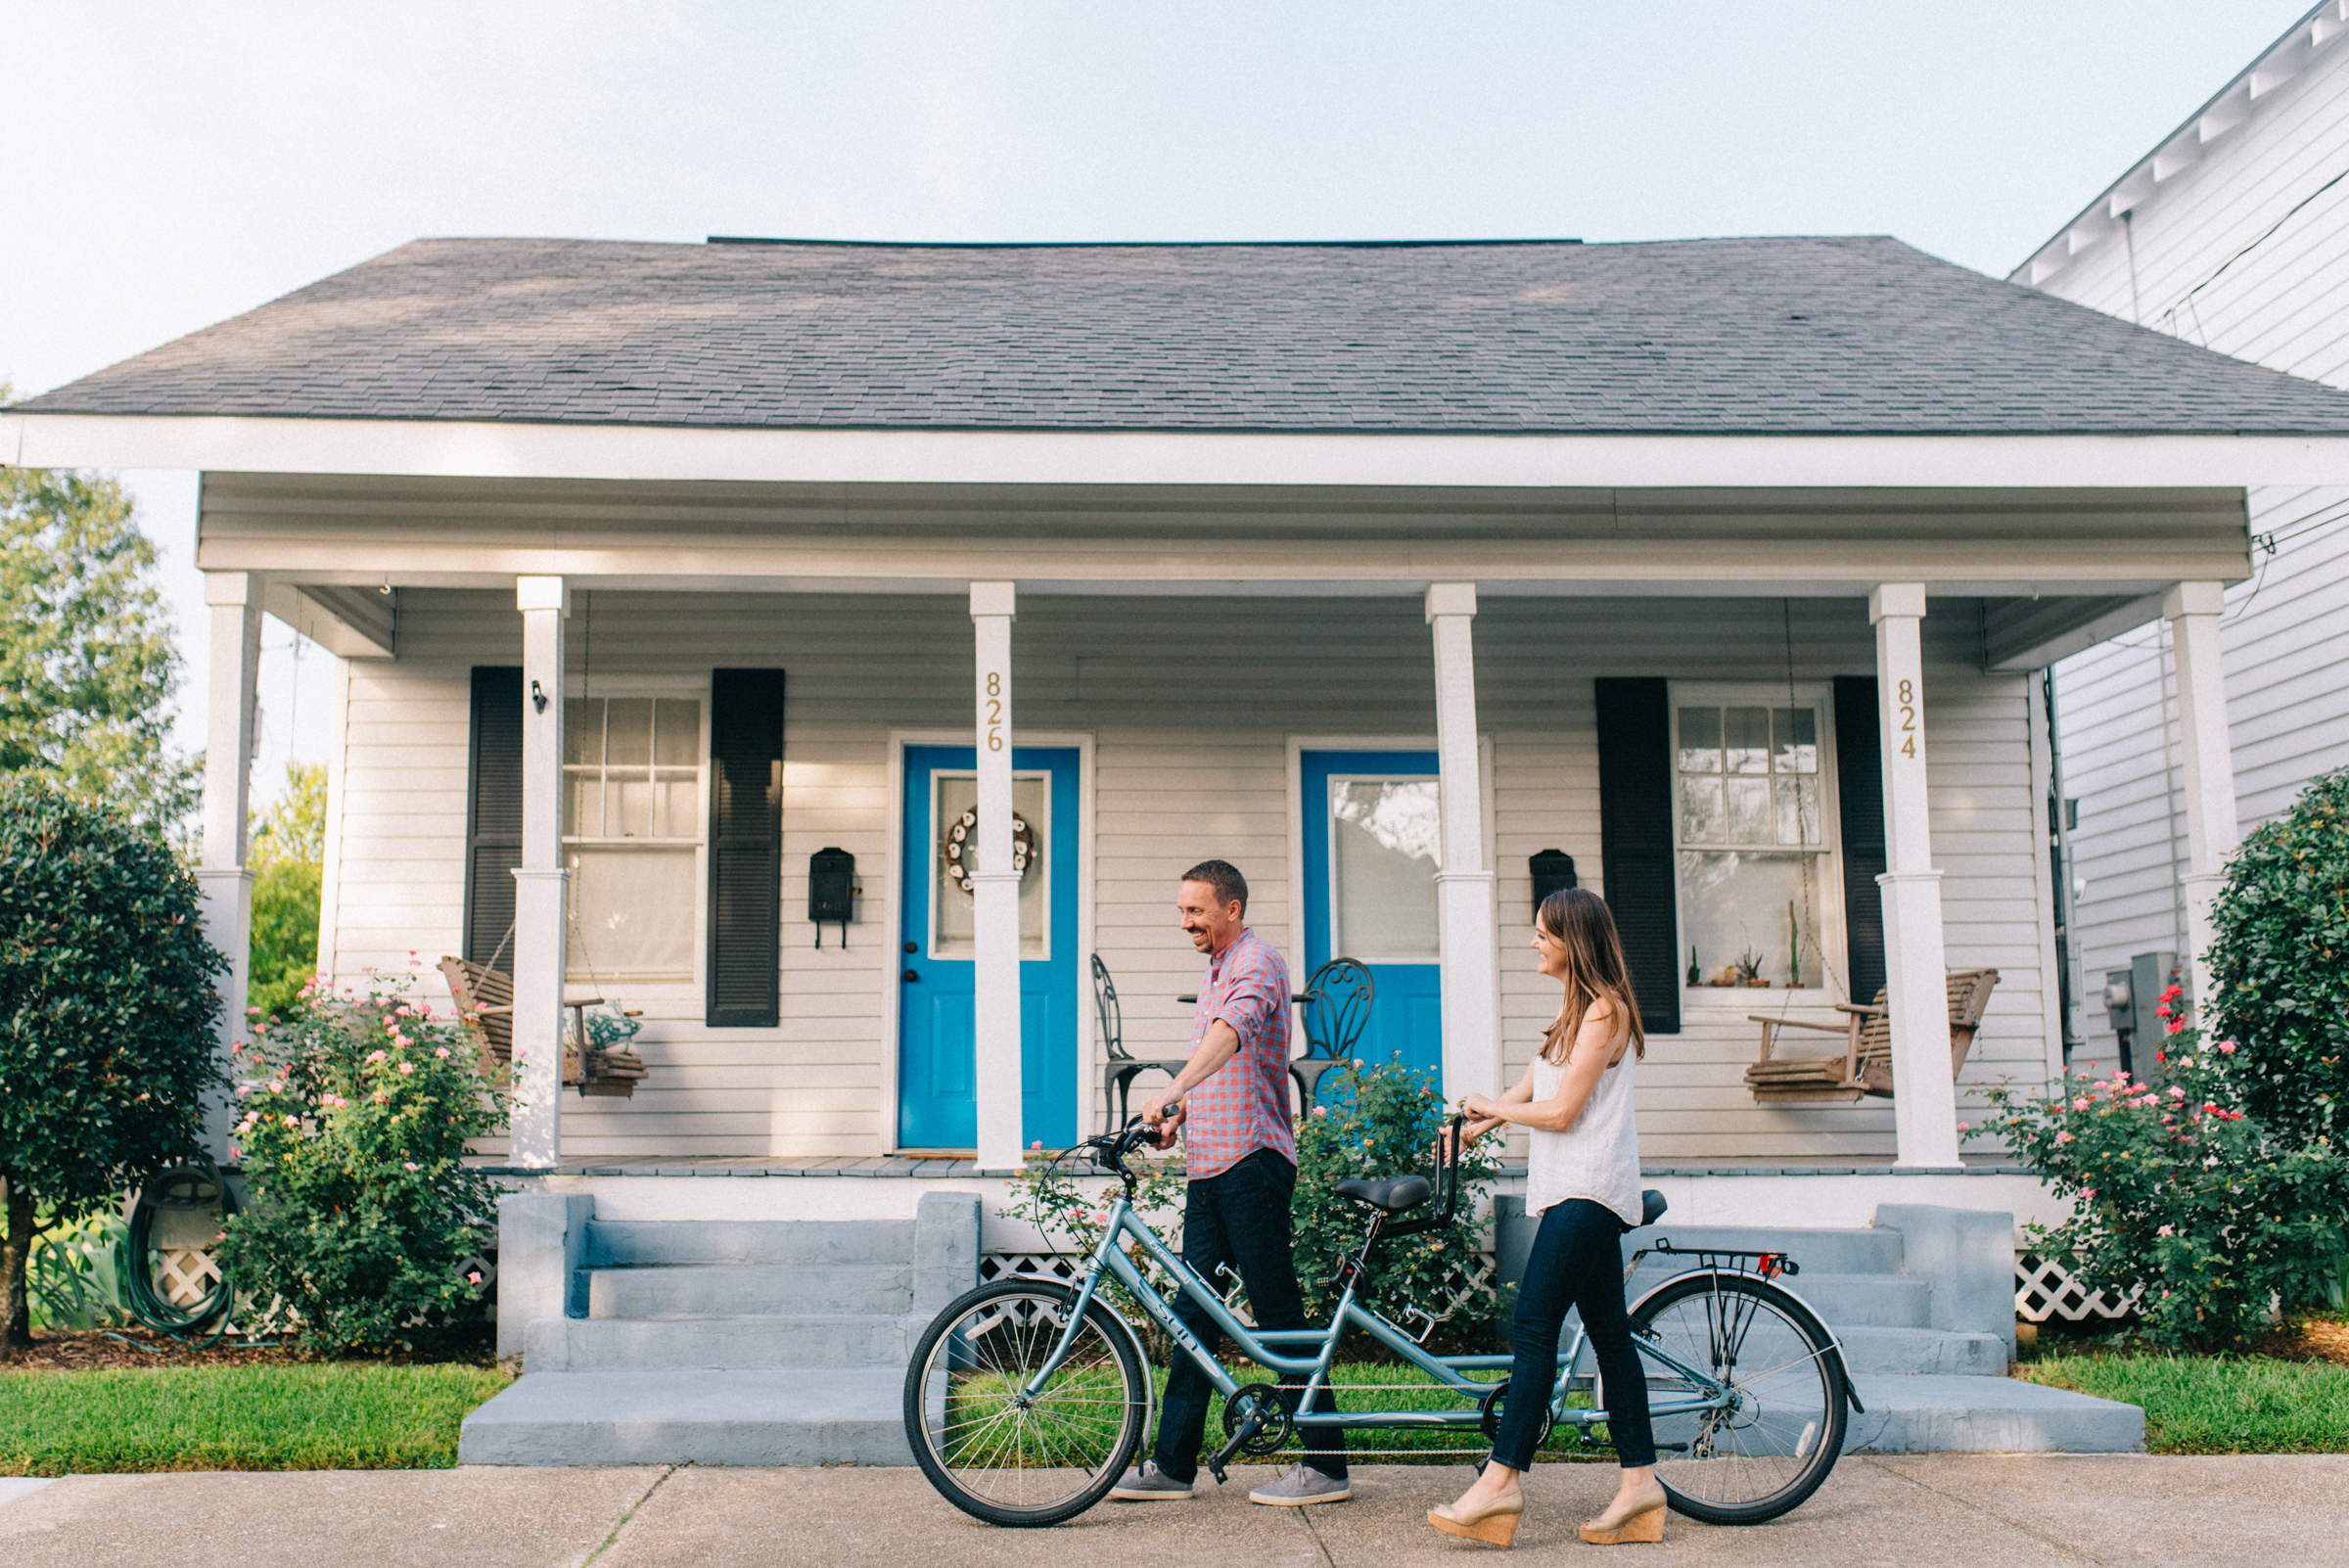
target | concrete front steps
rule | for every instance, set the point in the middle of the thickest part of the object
(757, 1343)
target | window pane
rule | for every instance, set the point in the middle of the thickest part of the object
(1736, 904)
(628, 732)
(677, 733)
(677, 805)
(1700, 810)
(1798, 811)
(951, 909)
(1383, 859)
(584, 805)
(627, 808)
(1749, 811)
(1746, 734)
(583, 730)
(632, 914)
(1798, 740)
(1700, 739)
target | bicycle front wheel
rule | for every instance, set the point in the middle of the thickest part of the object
(1769, 1442)
(1006, 1452)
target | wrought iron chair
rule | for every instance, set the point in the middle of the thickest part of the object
(1337, 1009)
(1121, 1069)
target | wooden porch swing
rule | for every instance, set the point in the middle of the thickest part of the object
(486, 996)
(1865, 1066)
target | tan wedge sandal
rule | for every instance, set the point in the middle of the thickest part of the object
(1642, 1522)
(1495, 1524)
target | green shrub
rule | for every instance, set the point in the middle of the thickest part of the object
(2279, 966)
(77, 1272)
(361, 1216)
(1048, 1197)
(1382, 1121)
(2179, 1193)
(107, 1015)
(288, 872)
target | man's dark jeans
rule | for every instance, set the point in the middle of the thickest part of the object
(1238, 1217)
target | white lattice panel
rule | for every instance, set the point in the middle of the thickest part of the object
(2044, 1288)
(185, 1276)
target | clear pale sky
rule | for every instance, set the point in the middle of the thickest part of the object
(165, 165)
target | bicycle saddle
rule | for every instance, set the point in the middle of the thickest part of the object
(1651, 1209)
(1390, 1196)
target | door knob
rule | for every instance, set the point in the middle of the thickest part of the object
(913, 946)
(912, 975)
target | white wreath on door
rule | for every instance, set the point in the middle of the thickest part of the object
(960, 838)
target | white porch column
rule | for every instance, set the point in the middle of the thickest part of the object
(996, 890)
(1924, 1106)
(225, 879)
(1470, 965)
(541, 905)
(2193, 609)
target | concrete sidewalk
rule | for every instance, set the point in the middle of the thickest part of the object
(1907, 1511)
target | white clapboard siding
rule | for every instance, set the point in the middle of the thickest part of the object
(2284, 302)
(1191, 704)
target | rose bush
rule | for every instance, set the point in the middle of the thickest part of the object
(2179, 1194)
(362, 1226)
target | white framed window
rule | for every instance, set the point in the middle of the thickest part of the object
(1755, 838)
(635, 815)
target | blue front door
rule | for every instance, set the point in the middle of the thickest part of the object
(937, 1104)
(1372, 831)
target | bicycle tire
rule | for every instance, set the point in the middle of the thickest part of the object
(1779, 1445)
(998, 1336)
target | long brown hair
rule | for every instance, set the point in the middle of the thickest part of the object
(1594, 967)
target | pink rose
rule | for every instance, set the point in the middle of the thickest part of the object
(2226, 1047)
(378, 1056)
(411, 1165)
(2063, 1137)
(407, 1067)
(440, 1052)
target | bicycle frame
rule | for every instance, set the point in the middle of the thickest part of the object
(1449, 1371)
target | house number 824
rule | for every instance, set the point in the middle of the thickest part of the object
(1907, 707)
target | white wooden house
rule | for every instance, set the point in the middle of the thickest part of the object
(2232, 233)
(1727, 568)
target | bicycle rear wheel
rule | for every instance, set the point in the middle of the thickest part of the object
(1010, 1457)
(1778, 1434)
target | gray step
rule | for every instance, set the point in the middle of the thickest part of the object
(733, 1290)
(619, 1243)
(1821, 1251)
(764, 1343)
(1988, 1416)
(827, 1416)
(1912, 1352)
(1844, 1301)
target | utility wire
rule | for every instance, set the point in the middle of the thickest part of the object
(2186, 301)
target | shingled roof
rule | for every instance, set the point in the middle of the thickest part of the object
(1802, 335)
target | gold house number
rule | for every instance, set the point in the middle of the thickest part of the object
(1907, 706)
(994, 711)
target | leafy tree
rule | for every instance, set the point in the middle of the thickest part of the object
(289, 852)
(2279, 966)
(86, 663)
(107, 1014)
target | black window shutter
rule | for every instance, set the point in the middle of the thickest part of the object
(745, 847)
(1634, 835)
(1860, 802)
(492, 814)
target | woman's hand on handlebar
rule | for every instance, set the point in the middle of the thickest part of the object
(1469, 1134)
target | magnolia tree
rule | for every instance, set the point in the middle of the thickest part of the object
(107, 1015)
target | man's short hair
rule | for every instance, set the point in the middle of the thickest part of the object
(1222, 876)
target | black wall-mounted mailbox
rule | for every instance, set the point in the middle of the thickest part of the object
(831, 891)
(1553, 869)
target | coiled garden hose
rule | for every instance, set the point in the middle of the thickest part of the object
(182, 1188)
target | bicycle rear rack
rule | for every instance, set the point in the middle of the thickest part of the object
(1770, 1265)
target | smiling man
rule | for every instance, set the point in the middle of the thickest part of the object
(1231, 1102)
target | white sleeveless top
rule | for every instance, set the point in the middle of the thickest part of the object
(1596, 1157)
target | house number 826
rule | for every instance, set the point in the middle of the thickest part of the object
(994, 711)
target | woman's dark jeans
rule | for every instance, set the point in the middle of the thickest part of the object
(1576, 1261)
(1238, 1217)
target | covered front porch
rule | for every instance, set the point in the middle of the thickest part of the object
(1825, 753)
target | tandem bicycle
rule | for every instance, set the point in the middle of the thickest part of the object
(1027, 1399)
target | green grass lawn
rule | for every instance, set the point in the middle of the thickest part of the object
(327, 1416)
(2216, 1404)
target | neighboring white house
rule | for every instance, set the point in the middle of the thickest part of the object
(2232, 233)
(1726, 567)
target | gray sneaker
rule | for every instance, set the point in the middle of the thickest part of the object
(1147, 1483)
(1301, 1486)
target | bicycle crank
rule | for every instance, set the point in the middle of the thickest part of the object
(1257, 1422)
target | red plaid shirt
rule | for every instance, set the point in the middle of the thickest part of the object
(1243, 1105)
